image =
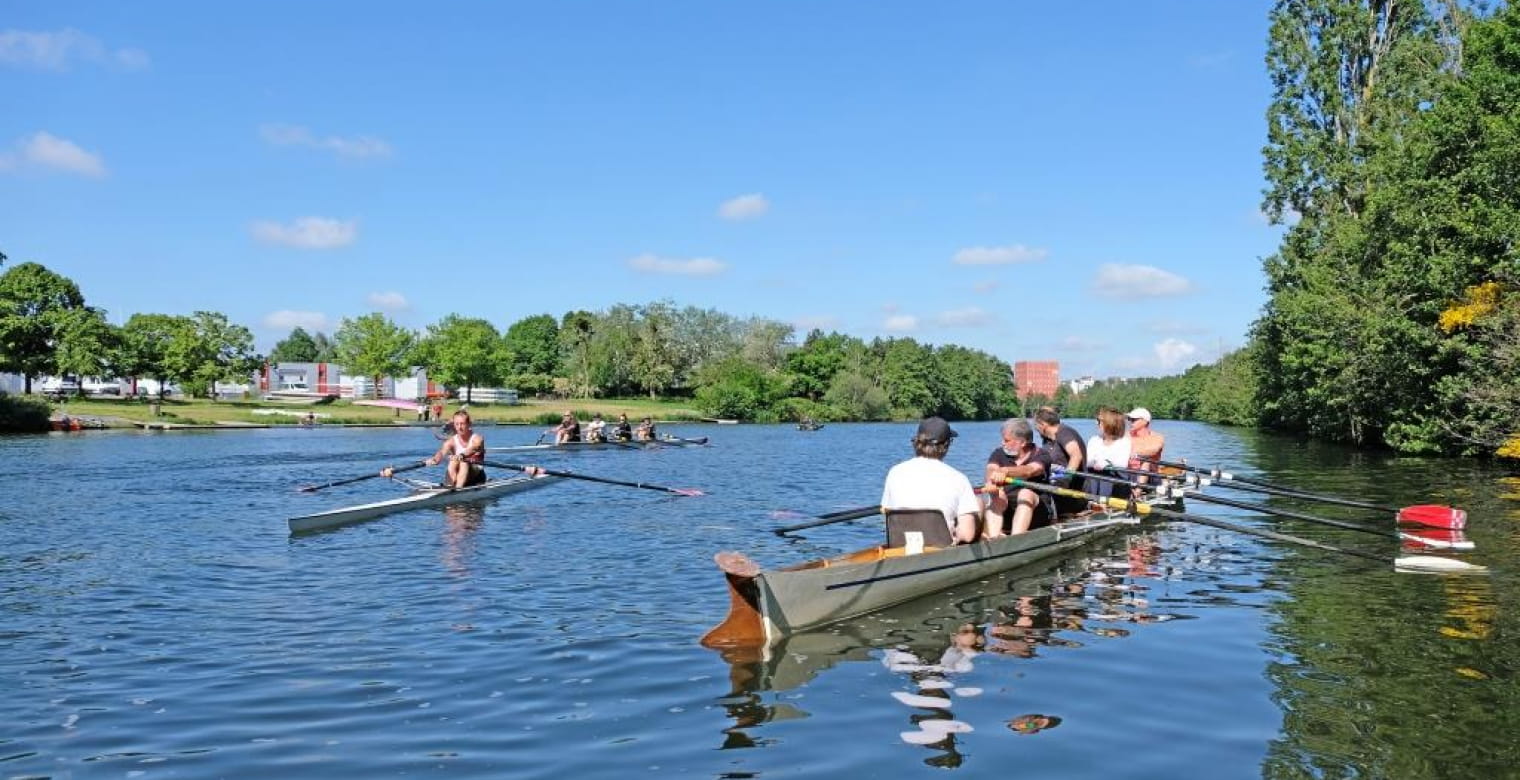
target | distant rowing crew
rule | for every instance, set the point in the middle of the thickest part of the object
(569, 430)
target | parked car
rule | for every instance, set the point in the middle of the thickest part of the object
(58, 387)
(102, 387)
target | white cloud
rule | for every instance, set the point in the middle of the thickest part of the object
(970, 317)
(56, 50)
(1175, 353)
(45, 150)
(752, 206)
(900, 323)
(288, 319)
(307, 233)
(1117, 280)
(999, 255)
(809, 322)
(697, 266)
(986, 285)
(356, 147)
(388, 301)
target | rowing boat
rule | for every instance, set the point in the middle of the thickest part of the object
(765, 606)
(580, 446)
(421, 498)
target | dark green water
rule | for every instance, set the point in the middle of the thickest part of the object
(156, 620)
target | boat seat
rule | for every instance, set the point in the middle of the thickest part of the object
(929, 522)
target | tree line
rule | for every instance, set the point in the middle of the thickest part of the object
(730, 367)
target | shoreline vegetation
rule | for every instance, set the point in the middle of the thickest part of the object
(131, 413)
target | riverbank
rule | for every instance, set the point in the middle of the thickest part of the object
(170, 413)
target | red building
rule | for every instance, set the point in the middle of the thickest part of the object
(1036, 377)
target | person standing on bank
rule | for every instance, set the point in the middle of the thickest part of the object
(1067, 451)
(465, 451)
(926, 483)
(1019, 458)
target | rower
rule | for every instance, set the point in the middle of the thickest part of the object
(465, 451)
(925, 495)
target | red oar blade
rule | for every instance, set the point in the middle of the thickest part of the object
(1442, 538)
(1434, 515)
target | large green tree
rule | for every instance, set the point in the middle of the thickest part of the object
(298, 347)
(462, 352)
(36, 308)
(146, 345)
(532, 345)
(1345, 345)
(373, 346)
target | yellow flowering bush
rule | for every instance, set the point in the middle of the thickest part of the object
(1478, 302)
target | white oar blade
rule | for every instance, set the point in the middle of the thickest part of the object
(1436, 564)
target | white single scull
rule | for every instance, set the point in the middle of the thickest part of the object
(429, 497)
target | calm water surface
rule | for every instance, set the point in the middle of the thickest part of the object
(157, 620)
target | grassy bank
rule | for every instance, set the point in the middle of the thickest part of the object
(198, 411)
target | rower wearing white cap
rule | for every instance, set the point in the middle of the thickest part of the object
(1145, 444)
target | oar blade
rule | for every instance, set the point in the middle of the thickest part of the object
(1440, 538)
(1435, 564)
(1434, 515)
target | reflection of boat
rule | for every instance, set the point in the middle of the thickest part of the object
(425, 497)
(579, 446)
(765, 606)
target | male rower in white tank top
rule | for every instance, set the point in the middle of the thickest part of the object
(466, 453)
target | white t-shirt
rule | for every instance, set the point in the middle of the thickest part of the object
(926, 483)
(1101, 454)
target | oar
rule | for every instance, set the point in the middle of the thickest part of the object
(1400, 535)
(841, 516)
(1425, 563)
(309, 488)
(603, 480)
(1434, 515)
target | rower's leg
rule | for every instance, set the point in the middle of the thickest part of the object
(992, 516)
(1023, 514)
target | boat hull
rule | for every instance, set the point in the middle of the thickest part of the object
(769, 605)
(489, 490)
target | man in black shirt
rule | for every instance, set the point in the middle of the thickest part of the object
(1067, 451)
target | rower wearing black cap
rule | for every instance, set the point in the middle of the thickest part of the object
(925, 495)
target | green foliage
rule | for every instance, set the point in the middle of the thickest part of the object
(19, 414)
(373, 346)
(1351, 345)
(530, 385)
(820, 358)
(298, 347)
(35, 306)
(532, 345)
(741, 389)
(858, 398)
(462, 352)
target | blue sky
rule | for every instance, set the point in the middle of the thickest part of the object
(1078, 182)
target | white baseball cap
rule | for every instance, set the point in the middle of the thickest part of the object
(1139, 413)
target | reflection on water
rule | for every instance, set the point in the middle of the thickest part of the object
(934, 647)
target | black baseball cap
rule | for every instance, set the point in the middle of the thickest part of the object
(935, 430)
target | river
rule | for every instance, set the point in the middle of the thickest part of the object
(157, 620)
